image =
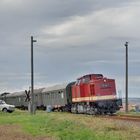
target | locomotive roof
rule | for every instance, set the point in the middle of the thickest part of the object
(89, 75)
(55, 87)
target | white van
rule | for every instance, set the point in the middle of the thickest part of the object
(6, 107)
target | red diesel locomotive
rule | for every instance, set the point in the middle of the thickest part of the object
(94, 94)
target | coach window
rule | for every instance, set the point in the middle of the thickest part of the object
(62, 94)
(50, 95)
(59, 94)
(42, 95)
(53, 95)
(47, 95)
(56, 95)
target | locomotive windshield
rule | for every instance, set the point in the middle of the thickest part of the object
(99, 76)
(86, 80)
(83, 80)
(78, 82)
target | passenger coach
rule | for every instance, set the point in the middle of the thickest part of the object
(58, 97)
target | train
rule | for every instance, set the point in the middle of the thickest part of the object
(90, 94)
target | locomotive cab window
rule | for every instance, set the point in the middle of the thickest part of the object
(85, 80)
(78, 82)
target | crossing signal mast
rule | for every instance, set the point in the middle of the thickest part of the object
(32, 109)
(126, 78)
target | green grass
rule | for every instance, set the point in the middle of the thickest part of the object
(66, 126)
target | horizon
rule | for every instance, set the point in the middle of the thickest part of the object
(74, 38)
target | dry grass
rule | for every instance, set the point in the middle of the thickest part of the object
(14, 132)
(117, 129)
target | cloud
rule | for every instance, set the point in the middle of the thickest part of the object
(73, 38)
(95, 27)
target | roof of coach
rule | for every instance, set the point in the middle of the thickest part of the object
(14, 94)
(55, 87)
(39, 90)
(4, 94)
(22, 93)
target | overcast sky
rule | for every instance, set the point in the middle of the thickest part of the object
(74, 37)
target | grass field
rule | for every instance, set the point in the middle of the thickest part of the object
(66, 126)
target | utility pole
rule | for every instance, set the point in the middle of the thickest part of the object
(126, 78)
(32, 109)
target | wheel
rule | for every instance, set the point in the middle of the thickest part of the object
(5, 110)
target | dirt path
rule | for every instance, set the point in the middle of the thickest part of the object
(14, 132)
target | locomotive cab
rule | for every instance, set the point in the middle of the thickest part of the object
(86, 87)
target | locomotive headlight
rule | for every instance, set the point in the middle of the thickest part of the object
(104, 80)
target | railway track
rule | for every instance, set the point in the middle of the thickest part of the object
(124, 117)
